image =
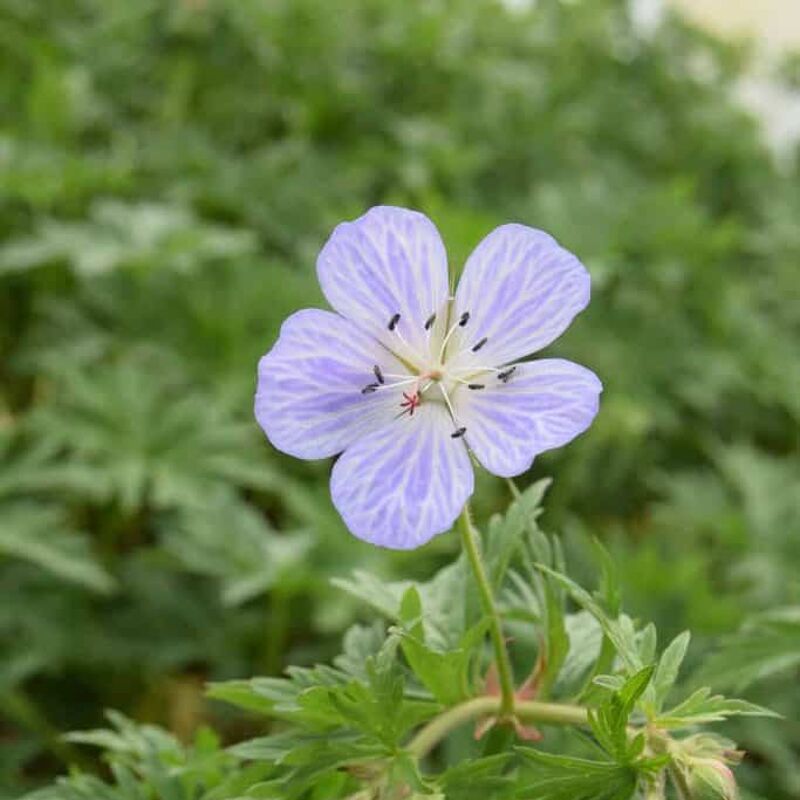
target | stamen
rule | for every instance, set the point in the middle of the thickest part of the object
(460, 429)
(378, 374)
(463, 319)
(506, 374)
(480, 344)
(455, 325)
(395, 330)
(476, 386)
(429, 322)
(474, 370)
(374, 387)
(406, 380)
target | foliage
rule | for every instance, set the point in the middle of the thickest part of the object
(369, 726)
(168, 171)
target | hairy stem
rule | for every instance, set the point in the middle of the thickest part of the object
(471, 541)
(678, 783)
(531, 711)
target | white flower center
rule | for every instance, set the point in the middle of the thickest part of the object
(436, 376)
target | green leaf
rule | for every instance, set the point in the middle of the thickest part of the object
(248, 559)
(619, 631)
(139, 435)
(477, 777)
(767, 645)
(668, 667)
(118, 235)
(609, 592)
(609, 722)
(701, 708)
(562, 777)
(39, 535)
(445, 620)
(445, 673)
(549, 602)
(505, 535)
(383, 596)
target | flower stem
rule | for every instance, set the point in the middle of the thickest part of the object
(531, 711)
(471, 541)
(678, 783)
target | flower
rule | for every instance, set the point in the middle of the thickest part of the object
(405, 381)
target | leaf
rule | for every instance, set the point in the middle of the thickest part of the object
(445, 619)
(383, 596)
(609, 592)
(119, 235)
(505, 535)
(609, 722)
(477, 777)
(570, 778)
(701, 708)
(225, 538)
(668, 668)
(585, 637)
(767, 645)
(139, 435)
(617, 630)
(38, 534)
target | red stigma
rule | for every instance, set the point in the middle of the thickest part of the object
(410, 402)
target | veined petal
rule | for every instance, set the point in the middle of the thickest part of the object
(404, 483)
(390, 261)
(522, 290)
(309, 400)
(544, 404)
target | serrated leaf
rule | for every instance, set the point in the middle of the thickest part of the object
(39, 535)
(701, 708)
(477, 777)
(609, 592)
(766, 645)
(619, 631)
(568, 778)
(506, 532)
(609, 722)
(444, 673)
(248, 559)
(668, 667)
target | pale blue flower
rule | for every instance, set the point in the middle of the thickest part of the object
(405, 381)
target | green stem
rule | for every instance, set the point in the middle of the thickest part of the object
(531, 711)
(678, 783)
(471, 541)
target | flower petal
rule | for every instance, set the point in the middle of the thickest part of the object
(522, 290)
(545, 404)
(309, 400)
(404, 483)
(389, 261)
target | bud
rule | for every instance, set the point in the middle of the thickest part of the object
(710, 779)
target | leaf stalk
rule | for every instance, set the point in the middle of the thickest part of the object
(530, 711)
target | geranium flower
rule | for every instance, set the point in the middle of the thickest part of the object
(405, 381)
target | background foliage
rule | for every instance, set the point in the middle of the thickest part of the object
(168, 171)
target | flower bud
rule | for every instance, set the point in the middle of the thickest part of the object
(710, 779)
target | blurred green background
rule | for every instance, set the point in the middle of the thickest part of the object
(168, 172)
